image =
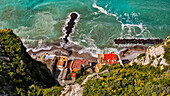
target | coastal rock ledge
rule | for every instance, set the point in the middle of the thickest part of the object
(155, 55)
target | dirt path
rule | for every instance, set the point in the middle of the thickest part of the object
(75, 89)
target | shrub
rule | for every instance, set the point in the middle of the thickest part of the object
(129, 80)
(141, 55)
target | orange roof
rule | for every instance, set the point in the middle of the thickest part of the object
(96, 70)
(99, 66)
(75, 70)
(61, 61)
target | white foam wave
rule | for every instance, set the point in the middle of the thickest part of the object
(93, 51)
(38, 49)
(125, 26)
(43, 4)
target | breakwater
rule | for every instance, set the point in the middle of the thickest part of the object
(138, 41)
(70, 26)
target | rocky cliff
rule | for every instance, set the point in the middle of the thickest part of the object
(155, 55)
(18, 71)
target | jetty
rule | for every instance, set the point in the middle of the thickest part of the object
(138, 41)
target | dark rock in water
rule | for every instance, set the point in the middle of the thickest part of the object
(18, 70)
(138, 41)
(70, 26)
(74, 16)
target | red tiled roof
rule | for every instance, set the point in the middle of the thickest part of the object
(110, 57)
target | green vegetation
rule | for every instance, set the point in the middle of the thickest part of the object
(37, 91)
(18, 70)
(141, 55)
(22, 75)
(167, 52)
(129, 80)
(104, 68)
(81, 78)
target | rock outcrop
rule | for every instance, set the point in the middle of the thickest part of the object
(155, 55)
(18, 71)
(131, 52)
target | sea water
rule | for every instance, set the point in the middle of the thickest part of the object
(39, 22)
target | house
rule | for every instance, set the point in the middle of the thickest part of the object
(111, 58)
(101, 59)
(61, 62)
(73, 76)
(76, 65)
(97, 67)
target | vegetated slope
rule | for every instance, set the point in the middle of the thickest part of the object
(143, 76)
(155, 55)
(18, 71)
(130, 80)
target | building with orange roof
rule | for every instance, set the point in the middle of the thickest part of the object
(76, 65)
(61, 62)
(98, 67)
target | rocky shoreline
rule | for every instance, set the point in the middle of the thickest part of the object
(72, 52)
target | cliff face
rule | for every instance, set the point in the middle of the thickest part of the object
(155, 55)
(18, 70)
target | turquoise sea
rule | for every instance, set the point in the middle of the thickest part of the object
(39, 22)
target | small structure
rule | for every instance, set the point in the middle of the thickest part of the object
(101, 59)
(97, 68)
(73, 76)
(49, 56)
(84, 61)
(64, 74)
(87, 68)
